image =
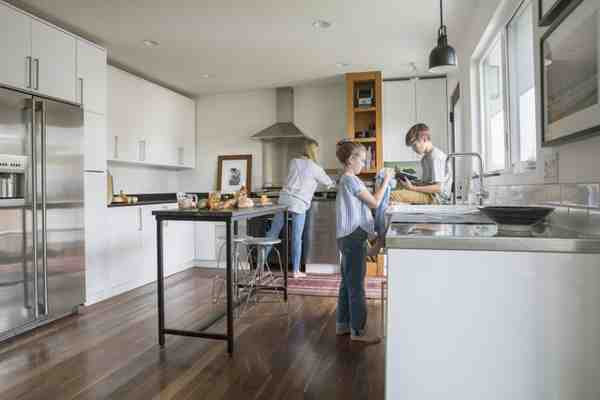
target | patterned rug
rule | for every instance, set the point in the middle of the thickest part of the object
(328, 285)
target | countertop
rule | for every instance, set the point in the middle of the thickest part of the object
(205, 214)
(486, 237)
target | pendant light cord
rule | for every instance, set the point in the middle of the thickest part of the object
(441, 15)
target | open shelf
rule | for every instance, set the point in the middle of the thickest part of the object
(364, 109)
(365, 140)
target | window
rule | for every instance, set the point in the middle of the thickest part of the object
(508, 96)
(493, 114)
(522, 86)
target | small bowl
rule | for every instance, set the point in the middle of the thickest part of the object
(516, 218)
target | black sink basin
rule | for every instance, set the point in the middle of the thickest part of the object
(513, 216)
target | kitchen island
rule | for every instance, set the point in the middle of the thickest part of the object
(477, 313)
(231, 218)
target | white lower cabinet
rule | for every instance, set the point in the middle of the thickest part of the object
(121, 251)
(125, 249)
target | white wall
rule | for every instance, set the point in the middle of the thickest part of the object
(225, 123)
(320, 111)
(578, 162)
(143, 179)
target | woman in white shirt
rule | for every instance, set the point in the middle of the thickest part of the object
(304, 174)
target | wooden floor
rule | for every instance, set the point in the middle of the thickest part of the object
(110, 351)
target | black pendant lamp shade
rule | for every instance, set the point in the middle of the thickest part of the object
(442, 58)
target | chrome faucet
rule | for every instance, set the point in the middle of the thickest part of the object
(483, 194)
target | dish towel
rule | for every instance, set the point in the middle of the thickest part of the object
(380, 221)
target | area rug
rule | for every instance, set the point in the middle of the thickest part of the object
(328, 285)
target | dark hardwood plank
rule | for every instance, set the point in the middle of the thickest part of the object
(110, 351)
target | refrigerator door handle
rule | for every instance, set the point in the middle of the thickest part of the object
(34, 207)
(44, 209)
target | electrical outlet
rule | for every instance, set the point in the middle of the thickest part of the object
(551, 167)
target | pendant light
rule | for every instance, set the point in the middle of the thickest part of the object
(442, 58)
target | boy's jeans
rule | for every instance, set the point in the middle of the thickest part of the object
(297, 229)
(352, 304)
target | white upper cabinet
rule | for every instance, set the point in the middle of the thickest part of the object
(186, 152)
(125, 115)
(54, 61)
(407, 102)
(91, 77)
(149, 124)
(398, 117)
(432, 109)
(15, 47)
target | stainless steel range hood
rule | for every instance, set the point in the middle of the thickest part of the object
(284, 128)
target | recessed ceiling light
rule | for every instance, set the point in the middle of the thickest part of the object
(150, 43)
(342, 65)
(321, 24)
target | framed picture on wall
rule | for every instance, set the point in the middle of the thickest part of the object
(234, 172)
(569, 75)
(550, 10)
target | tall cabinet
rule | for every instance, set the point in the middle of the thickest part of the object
(407, 102)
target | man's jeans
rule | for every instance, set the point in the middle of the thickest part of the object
(352, 304)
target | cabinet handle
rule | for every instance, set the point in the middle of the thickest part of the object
(116, 149)
(29, 70)
(180, 155)
(37, 73)
(81, 91)
(140, 226)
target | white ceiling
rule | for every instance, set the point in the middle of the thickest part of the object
(248, 44)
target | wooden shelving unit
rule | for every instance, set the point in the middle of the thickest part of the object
(363, 122)
(363, 125)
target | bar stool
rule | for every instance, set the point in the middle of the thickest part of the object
(218, 281)
(263, 276)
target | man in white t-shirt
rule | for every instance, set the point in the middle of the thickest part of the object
(436, 182)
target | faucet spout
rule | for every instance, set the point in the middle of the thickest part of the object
(483, 194)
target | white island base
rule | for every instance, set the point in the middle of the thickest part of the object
(473, 325)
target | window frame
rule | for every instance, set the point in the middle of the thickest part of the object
(499, 38)
(512, 162)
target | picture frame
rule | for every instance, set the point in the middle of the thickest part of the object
(234, 171)
(570, 94)
(550, 10)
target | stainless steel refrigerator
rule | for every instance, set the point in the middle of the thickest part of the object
(42, 263)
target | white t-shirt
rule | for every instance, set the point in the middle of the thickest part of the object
(434, 171)
(304, 175)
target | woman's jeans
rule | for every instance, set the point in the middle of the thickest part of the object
(298, 221)
(352, 304)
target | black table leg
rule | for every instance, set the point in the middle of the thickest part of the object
(286, 251)
(160, 283)
(229, 227)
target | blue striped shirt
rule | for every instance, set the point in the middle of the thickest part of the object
(351, 212)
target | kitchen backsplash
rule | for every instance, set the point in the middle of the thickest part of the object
(575, 195)
(577, 204)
